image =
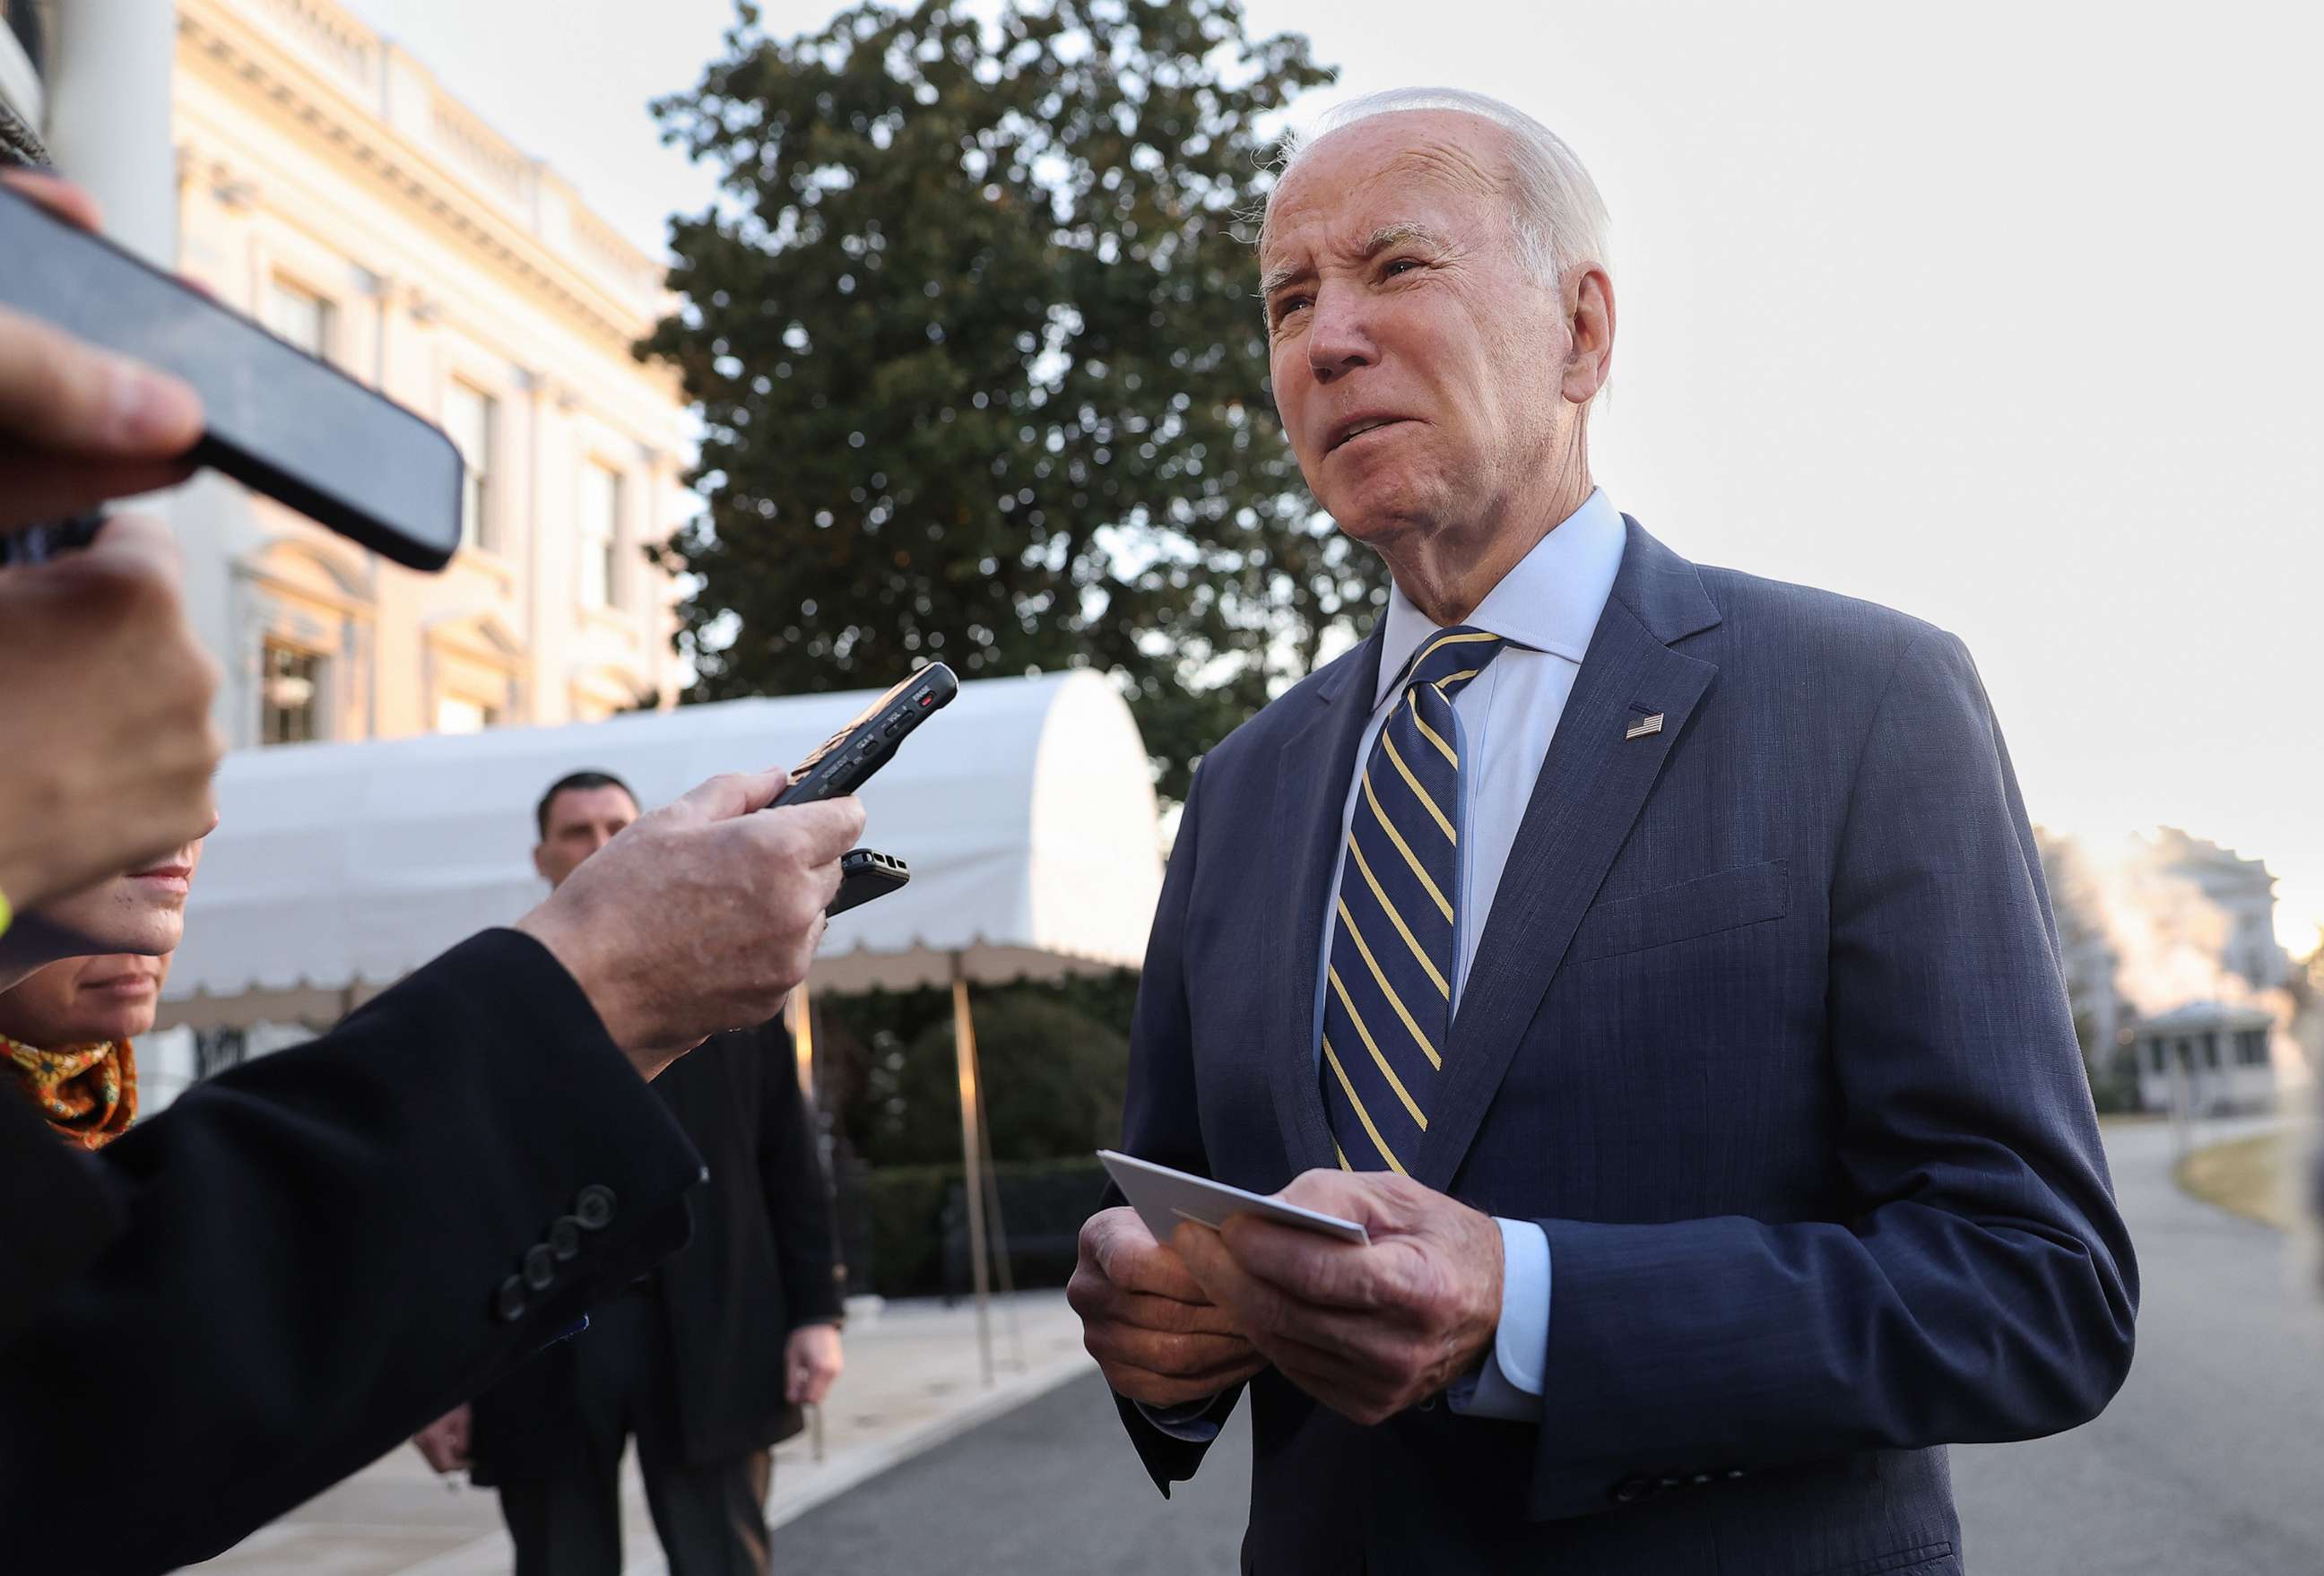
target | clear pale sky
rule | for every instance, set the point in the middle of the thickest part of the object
(2004, 314)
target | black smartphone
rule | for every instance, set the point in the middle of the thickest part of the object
(864, 874)
(296, 428)
(845, 761)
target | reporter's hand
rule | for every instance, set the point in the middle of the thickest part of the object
(700, 916)
(812, 1360)
(105, 699)
(80, 424)
(444, 1443)
(1367, 1330)
(1154, 1330)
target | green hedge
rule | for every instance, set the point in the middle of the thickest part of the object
(918, 1230)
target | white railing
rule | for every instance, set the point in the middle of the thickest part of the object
(605, 249)
(324, 34)
(483, 151)
(329, 35)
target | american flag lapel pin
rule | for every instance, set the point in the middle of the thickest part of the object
(1645, 726)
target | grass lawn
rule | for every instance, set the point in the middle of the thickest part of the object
(2249, 1177)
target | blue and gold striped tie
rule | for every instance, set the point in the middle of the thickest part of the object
(1388, 997)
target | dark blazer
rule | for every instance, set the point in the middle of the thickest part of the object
(1766, 1030)
(761, 1265)
(312, 1256)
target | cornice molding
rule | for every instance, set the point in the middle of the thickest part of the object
(253, 569)
(409, 173)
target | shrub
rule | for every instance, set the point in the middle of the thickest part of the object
(920, 1223)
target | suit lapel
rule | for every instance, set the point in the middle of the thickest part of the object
(1593, 783)
(1312, 775)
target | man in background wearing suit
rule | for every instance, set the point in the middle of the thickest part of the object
(708, 1360)
(1653, 957)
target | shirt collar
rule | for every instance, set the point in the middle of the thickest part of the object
(1550, 601)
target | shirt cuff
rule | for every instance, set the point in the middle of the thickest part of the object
(1508, 1385)
(1190, 1421)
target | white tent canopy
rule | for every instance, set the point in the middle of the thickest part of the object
(1026, 810)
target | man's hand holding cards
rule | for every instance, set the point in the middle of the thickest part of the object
(1367, 1290)
(1163, 1197)
(1159, 1338)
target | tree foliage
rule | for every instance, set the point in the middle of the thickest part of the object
(1053, 1078)
(974, 333)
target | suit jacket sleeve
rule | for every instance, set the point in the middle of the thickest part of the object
(316, 1259)
(81, 1211)
(1974, 1281)
(1159, 1118)
(799, 1195)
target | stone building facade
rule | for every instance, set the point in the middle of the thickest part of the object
(314, 175)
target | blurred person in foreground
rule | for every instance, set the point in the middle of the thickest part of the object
(707, 1360)
(232, 1307)
(1654, 958)
(104, 693)
(68, 1031)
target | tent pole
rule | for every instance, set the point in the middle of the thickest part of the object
(996, 1230)
(971, 1150)
(800, 1009)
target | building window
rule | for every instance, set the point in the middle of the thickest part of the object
(2211, 1050)
(2160, 1053)
(300, 316)
(471, 416)
(289, 694)
(600, 533)
(456, 714)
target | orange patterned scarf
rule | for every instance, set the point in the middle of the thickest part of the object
(87, 1092)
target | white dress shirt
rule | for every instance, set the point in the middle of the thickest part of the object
(1547, 608)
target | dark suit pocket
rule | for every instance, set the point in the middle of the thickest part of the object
(1928, 1559)
(1704, 905)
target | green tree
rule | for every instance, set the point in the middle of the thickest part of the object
(1053, 1081)
(974, 333)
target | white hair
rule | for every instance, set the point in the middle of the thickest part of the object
(1559, 219)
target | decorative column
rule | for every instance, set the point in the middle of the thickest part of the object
(109, 105)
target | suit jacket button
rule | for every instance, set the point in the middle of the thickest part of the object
(509, 1305)
(565, 1238)
(539, 1267)
(1631, 1489)
(594, 1207)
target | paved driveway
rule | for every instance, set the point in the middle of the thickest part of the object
(2210, 1463)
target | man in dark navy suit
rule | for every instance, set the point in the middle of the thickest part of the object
(1654, 958)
